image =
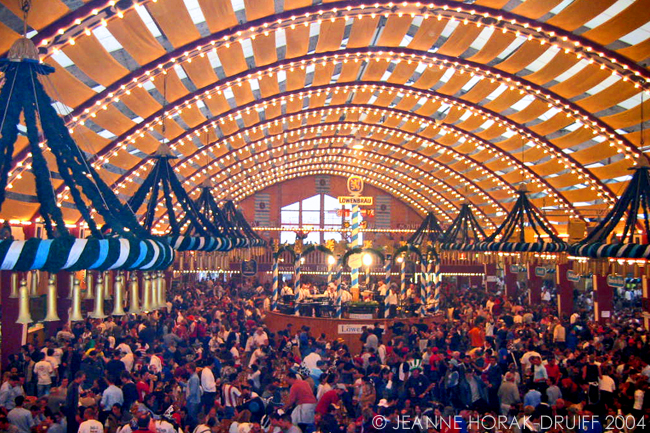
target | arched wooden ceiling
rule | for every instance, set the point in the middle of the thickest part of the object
(442, 101)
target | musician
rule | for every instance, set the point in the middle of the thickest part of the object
(303, 293)
(346, 296)
(383, 288)
(286, 291)
(331, 292)
(392, 299)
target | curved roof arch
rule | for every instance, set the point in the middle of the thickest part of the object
(564, 78)
(421, 137)
(310, 151)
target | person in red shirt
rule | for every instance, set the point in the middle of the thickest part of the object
(332, 396)
(553, 370)
(476, 336)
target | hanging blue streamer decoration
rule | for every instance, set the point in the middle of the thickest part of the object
(633, 210)
(121, 243)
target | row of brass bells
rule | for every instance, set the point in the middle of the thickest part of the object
(153, 297)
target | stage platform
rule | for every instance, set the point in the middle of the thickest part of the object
(347, 329)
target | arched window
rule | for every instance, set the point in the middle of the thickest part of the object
(319, 211)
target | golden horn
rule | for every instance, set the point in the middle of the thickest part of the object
(154, 291)
(71, 284)
(146, 297)
(52, 315)
(134, 307)
(118, 292)
(14, 285)
(75, 314)
(89, 286)
(163, 290)
(107, 285)
(161, 293)
(98, 312)
(34, 286)
(23, 304)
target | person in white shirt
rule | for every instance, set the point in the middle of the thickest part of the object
(209, 385)
(392, 300)
(230, 395)
(346, 296)
(164, 426)
(286, 291)
(312, 359)
(128, 360)
(235, 354)
(124, 348)
(260, 338)
(256, 355)
(383, 288)
(43, 370)
(155, 364)
(91, 425)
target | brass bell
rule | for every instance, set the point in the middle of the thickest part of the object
(75, 314)
(34, 284)
(23, 304)
(51, 315)
(161, 300)
(163, 290)
(71, 277)
(134, 307)
(147, 304)
(107, 285)
(118, 292)
(14, 285)
(154, 291)
(90, 286)
(98, 311)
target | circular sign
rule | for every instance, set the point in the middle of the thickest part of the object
(262, 205)
(355, 184)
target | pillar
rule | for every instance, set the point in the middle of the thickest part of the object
(603, 297)
(511, 281)
(564, 291)
(490, 270)
(12, 332)
(645, 302)
(534, 284)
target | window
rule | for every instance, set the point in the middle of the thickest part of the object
(319, 211)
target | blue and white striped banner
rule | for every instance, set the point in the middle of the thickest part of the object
(383, 211)
(263, 209)
(322, 184)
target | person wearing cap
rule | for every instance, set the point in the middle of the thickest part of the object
(418, 386)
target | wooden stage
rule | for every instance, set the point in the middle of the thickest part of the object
(347, 329)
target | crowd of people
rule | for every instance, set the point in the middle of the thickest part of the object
(208, 364)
